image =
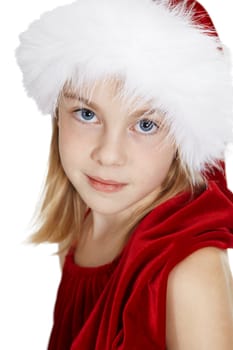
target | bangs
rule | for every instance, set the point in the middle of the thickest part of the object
(121, 91)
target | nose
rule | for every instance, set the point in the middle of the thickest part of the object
(109, 150)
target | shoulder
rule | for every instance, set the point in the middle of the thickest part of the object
(200, 302)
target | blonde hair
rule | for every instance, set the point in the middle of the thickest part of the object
(60, 215)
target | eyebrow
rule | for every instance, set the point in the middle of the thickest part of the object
(93, 105)
(73, 96)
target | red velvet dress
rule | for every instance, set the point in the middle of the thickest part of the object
(121, 305)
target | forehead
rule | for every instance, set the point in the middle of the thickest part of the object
(106, 91)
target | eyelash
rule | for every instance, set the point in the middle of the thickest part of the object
(142, 119)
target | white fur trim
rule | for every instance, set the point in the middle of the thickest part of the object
(157, 48)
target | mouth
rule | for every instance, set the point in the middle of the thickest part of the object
(102, 185)
(106, 182)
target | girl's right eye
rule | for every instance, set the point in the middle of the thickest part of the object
(84, 115)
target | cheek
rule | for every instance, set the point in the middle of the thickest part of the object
(155, 164)
(71, 146)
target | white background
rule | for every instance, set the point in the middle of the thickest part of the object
(29, 275)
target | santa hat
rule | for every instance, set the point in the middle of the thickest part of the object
(166, 51)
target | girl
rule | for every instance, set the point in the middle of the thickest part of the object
(140, 93)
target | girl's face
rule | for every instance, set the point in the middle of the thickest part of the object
(108, 139)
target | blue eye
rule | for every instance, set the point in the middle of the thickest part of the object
(85, 114)
(146, 125)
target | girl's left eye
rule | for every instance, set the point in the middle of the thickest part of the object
(146, 126)
(84, 114)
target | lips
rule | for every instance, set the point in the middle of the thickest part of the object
(105, 182)
(104, 185)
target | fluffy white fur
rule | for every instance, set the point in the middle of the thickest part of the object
(162, 55)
